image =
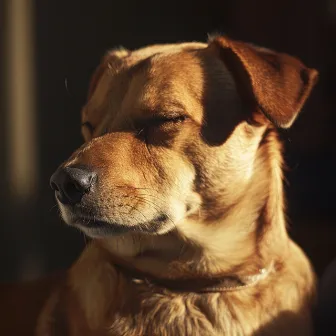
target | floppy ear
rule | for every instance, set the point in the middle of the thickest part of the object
(275, 84)
(112, 59)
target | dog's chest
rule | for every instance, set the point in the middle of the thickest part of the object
(165, 314)
(146, 311)
(115, 305)
(112, 304)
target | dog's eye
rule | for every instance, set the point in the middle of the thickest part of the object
(146, 127)
(159, 121)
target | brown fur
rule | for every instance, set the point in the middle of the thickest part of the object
(216, 175)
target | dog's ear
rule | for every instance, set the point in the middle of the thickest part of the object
(112, 60)
(276, 84)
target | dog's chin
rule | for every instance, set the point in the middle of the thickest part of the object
(98, 228)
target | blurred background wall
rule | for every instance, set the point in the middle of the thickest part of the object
(49, 49)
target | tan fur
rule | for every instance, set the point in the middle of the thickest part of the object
(216, 176)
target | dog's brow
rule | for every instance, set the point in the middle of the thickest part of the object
(165, 109)
(175, 106)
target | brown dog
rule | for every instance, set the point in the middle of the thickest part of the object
(179, 182)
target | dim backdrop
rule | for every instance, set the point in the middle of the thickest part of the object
(66, 41)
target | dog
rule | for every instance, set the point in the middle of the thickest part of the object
(179, 185)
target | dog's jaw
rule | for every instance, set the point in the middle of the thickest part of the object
(161, 224)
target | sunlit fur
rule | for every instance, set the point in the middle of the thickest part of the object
(214, 177)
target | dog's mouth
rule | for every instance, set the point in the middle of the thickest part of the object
(100, 228)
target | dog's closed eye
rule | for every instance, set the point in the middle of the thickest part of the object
(163, 124)
(159, 122)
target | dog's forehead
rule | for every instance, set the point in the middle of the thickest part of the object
(169, 78)
(166, 81)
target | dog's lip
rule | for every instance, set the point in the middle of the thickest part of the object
(103, 227)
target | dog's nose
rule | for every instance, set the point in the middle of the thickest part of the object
(72, 183)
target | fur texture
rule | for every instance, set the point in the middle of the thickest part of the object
(189, 168)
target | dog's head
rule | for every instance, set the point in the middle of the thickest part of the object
(172, 135)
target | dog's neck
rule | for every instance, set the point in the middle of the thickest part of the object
(248, 238)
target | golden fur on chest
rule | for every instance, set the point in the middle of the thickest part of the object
(106, 302)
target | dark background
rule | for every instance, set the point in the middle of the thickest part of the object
(69, 39)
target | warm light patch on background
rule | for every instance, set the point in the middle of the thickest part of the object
(21, 118)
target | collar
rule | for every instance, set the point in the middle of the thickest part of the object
(227, 283)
